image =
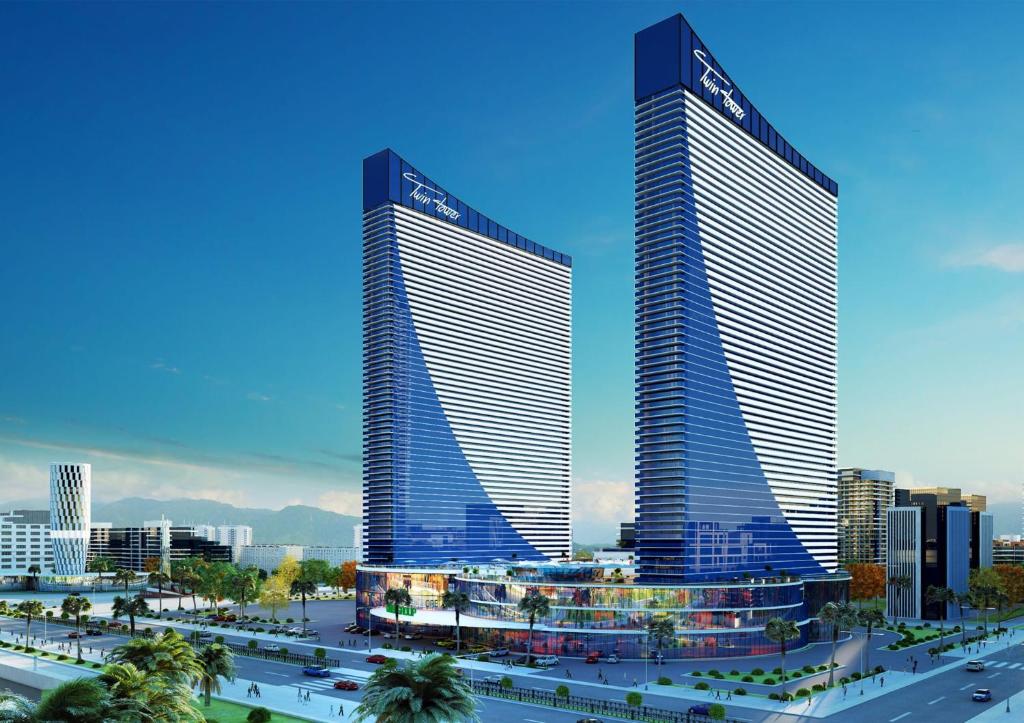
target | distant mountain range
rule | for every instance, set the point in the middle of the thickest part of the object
(294, 525)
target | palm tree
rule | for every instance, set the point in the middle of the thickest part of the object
(1001, 601)
(963, 599)
(192, 581)
(779, 631)
(76, 605)
(534, 605)
(80, 700)
(124, 577)
(159, 579)
(304, 588)
(131, 607)
(397, 597)
(16, 708)
(30, 609)
(869, 619)
(245, 587)
(428, 689)
(942, 596)
(100, 565)
(169, 655)
(900, 584)
(137, 695)
(838, 615)
(459, 602)
(34, 571)
(661, 629)
(217, 662)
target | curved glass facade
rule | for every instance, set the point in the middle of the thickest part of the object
(714, 620)
(466, 381)
(736, 307)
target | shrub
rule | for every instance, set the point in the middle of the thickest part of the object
(484, 658)
(406, 649)
(748, 679)
(562, 691)
(818, 687)
(757, 671)
(810, 669)
(734, 672)
(260, 630)
(289, 620)
(257, 715)
(713, 671)
(771, 696)
(716, 675)
(97, 665)
(388, 646)
(283, 652)
(769, 681)
(29, 649)
(702, 686)
(786, 696)
(879, 668)
(664, 680)
(80, 662)
(634, 699)
(62, 657)
(716, 711)
(855, 675)
(319, 653)
(822, 667)
(845, 680)
(506, 682)
(696, 674)
(803, 693)
(252, 645)
(795, 674)
(740, 691)
(777, 671)
(219, 640)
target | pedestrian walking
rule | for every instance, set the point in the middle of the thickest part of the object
(881, 681)
(844, 691)
(718, 694)
(635, 683)
(332, 710)
(341, 710)
(728, 695)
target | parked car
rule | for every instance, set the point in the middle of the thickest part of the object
(389, 636)
(272, 648)
(499, 652)
(377, 659)
(982, 695)
(446, 644)
(93, 631)
(114, 624)
(592, 658)
(975, 666)
(414, 636)
(493, 679)
(699, 709)
(589, 720)
(75, 634)
(352, 627)
(613, 658)
(345, 685)
(546, 660)
(204, 635)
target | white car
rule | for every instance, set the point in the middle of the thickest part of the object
(546, 660)
(975, 666)
(272, 648)
(499, 652)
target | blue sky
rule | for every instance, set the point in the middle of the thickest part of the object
(180, 210)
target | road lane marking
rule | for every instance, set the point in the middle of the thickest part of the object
(1000, 664)
(270, 672)
(969, 685)
(994, 675)
(1015, 666)
(893, 720)
(531, 720)
(933, 702)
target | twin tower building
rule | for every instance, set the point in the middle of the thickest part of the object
(467, 352)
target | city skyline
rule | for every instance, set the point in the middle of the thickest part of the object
(190, 297)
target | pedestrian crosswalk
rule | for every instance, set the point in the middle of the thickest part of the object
(1014, 666)
(1005, 664)
(314, 684)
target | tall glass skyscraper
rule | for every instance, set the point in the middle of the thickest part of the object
(466, 380)
(736, 328)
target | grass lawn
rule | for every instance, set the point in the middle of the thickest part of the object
(225, 712)
(1008, 614)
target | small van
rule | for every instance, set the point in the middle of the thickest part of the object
(975, 666)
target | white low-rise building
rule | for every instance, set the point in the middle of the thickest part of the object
(267, 557)
(25, 541)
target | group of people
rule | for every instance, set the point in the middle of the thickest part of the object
(254, 691)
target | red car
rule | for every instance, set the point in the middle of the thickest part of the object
(378, 659)
(74, 634)
(593, 658)
(345, 685)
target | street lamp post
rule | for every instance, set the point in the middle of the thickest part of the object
(369, 627)
(862, 671)
(647, 656)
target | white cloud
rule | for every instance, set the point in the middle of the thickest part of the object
(345, 502)
(598, 508)
(1002, 257)
(162, 366)
(258, 397)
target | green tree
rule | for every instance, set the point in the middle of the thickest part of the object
(76, 606)
(716, 711)
(274, 595)
(870, 619)
(963, 600)
(245, 588)
(81, 700)
(100, 564)
(159, 579)
(837, 615)
(140, 696)
(943, 597)
(123, 576)
(217, 662)
(534, 605)
(562, 691)
(398, 597)
(168, 655)
(459, 602)
(130, 607)
(634, 699)
(780, 631)
(428, 689)
(215, 578)
(303, 588)
(191, 581)
(30, 609)
(985, 585)
(661, 629)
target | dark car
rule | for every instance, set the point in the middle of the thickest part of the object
(982, 695)
(317, 671)
(74, 634)
(345, 685)
(377, 659)
(699, 709)
(93, 631)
